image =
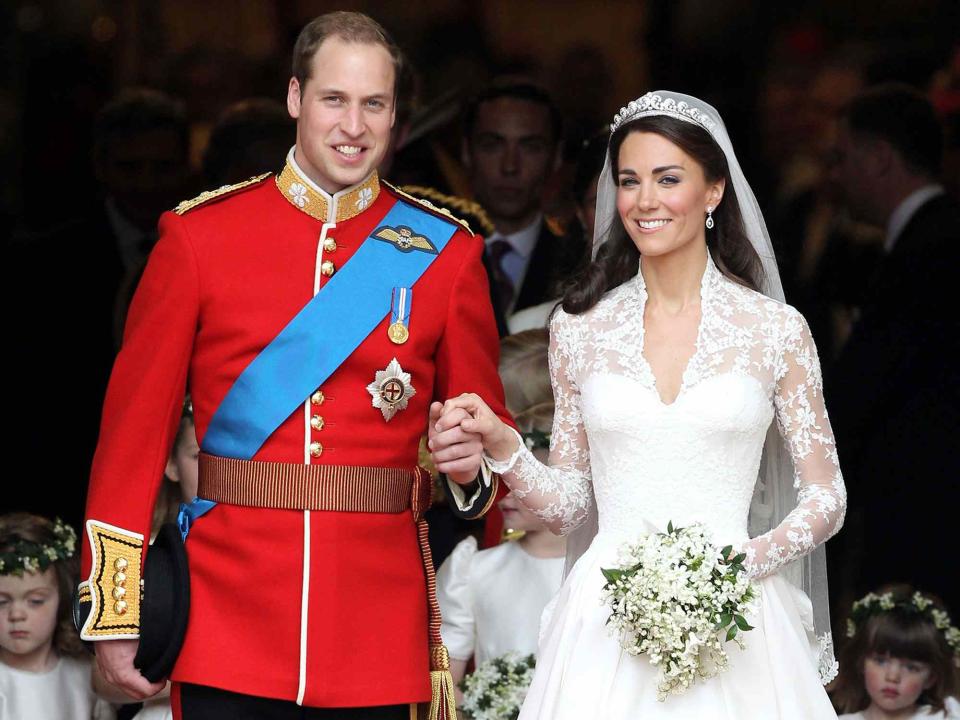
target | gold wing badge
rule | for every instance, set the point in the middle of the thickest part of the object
(404, 239)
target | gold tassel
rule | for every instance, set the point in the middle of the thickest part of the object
(443, 703)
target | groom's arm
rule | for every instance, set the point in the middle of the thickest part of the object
(467, 358)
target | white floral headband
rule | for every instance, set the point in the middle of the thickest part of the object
(28, 556)
(918, 604)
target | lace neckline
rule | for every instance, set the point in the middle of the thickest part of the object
(709, 282)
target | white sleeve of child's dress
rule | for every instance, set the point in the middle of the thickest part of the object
(459, 627)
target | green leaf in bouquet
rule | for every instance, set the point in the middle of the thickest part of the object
(742, 623)
(725, 552)
(612, 574)
(731, 633)
(670, 527)
(725, 619)
(739, 558)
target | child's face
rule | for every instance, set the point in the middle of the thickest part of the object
(28, 612)
(895, 683)
(516, 516)
(182, 466)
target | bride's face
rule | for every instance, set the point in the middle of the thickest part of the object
(662, 194)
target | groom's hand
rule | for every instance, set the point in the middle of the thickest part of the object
(455, 452)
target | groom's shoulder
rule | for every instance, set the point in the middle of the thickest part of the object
(447, 208)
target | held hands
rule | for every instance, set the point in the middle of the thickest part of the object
(115, 663)
(460, 430)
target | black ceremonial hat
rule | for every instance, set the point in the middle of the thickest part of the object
(165, 605)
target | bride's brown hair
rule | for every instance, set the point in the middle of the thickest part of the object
(618, 258)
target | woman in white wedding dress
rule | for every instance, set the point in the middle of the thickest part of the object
(667, 381)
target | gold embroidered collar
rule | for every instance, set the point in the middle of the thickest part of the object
(305, 195)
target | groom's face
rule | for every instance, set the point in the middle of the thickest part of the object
(344, 112)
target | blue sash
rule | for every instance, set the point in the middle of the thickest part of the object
(323, 334)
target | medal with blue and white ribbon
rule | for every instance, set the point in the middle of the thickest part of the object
(399, 330)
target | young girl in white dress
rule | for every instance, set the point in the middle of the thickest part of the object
(686, 391)
(491, 600)
(901, 660)
(44, 670)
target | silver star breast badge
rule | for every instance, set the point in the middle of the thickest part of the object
(391, 389)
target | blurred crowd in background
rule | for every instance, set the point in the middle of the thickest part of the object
(112, 112)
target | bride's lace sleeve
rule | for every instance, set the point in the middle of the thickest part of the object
(560, 492)
(802, 419)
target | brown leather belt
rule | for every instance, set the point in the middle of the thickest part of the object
(288, 486)
(342, 488)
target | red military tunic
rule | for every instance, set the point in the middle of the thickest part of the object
(322, 608)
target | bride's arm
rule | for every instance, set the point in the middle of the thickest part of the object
(558, 493)
(803, 423)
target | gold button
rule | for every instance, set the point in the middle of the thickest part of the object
(120, 607)
(316, 449)
(119, 592)
(316, 422)
(120, 579)
(327, 268)
(317, 398)
(329, 245)
(120, 563)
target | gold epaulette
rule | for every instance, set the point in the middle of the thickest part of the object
(436, 210)
(555, 225)
(208, 195)
(454, 203)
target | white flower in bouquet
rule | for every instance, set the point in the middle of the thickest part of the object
(496, 689)
(676, 598)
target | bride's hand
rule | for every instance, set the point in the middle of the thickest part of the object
(474, 416)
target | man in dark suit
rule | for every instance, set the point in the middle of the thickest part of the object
(893, 392)
(511, 147)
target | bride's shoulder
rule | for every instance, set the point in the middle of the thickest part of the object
(610, 305)
(755, 308)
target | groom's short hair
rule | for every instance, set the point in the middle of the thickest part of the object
(351, 27)
(902, 116)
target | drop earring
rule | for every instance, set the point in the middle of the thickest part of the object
(709, 222)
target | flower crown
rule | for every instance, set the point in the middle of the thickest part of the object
(653, 104)
(872, 604)
(26, 555)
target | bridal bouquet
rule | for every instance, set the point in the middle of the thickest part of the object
(677, 599)
(496, 689)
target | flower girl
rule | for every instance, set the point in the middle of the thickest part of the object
(901, 659)
(44, 671)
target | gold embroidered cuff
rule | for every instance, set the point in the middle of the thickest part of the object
(114, 583)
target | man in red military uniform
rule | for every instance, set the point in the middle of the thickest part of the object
(308, 584)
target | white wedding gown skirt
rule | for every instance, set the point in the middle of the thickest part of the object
(583, 673)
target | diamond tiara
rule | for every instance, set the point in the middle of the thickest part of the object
(653, 104)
